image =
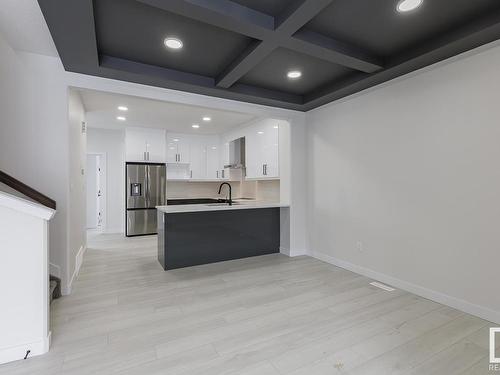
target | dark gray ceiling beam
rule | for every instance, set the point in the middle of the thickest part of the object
(112, 67)
(231, 16)
(296, 16)
(225, 14)
(475, 34)
(80, 19)
(325, 48)
(254, 54)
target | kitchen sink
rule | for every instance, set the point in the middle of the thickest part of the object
(194, 201)
(222, 204)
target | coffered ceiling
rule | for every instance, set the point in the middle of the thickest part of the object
(243, 49)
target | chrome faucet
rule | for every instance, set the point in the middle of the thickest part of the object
(230, 201)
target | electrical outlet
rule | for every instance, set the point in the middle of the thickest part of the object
(359, 246)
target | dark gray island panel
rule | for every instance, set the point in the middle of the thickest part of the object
(194, 238)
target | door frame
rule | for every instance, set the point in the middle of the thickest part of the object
(103, 186)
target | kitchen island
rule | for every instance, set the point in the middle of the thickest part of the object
(194, 234)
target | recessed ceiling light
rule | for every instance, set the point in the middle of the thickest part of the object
(196, 126)
(176, 140)
(294, 74)
(121, 118)
(260, 132)
(276, 126)
(408, 5)
(173, 43)
(122, 108)
(206, 118)
(214, 148)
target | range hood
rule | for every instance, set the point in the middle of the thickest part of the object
(236, 154)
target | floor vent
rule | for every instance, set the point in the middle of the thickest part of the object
(382, 286)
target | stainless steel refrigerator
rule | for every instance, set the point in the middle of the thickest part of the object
(146, 189)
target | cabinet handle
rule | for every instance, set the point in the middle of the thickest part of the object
(217, 174)
(191, 174)
(179, 157)
(223, 173)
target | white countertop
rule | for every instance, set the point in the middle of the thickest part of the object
(211, 207)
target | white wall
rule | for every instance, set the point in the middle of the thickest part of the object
(410, 169)
(112, 144)
(77, 238)
(34, 135)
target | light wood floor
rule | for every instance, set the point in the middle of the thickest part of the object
(259, 316)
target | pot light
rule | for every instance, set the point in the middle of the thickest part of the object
(260, 132)
(121, 118)
(176, 140)
(196, 126)
(122, 108)
(275, 126)
(294, 74)
(206, 118)
(173, 43)
(408, 5)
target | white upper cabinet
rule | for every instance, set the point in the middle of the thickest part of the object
(223, 159)
(262, 150)
(270, 150)
(178, 148)
(198, 157)
(213, 158)
(143, 144)
(254, 142)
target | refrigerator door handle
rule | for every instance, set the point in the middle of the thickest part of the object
(146, 183)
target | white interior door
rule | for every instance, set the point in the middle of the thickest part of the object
(92, 217)
(99, 205)
(95, 190)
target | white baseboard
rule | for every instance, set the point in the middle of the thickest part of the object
(54, 270)
(456, 303)
(18, 352)
(292, 253)
(113, 231)
(284, 251)
(78, 263)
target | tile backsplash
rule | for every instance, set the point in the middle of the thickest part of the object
(261, 190)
